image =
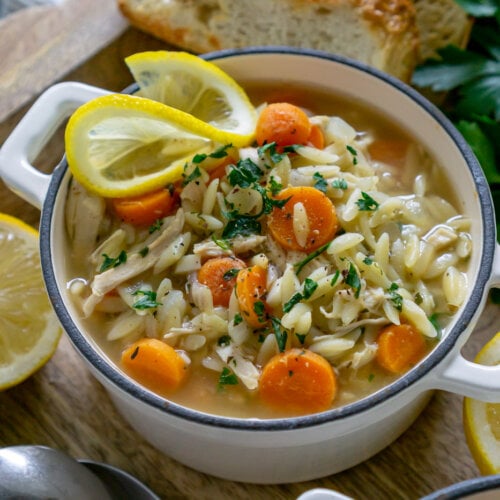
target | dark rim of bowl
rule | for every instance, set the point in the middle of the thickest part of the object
(115, 377)
(466, 488)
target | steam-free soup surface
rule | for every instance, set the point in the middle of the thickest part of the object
(396, 260)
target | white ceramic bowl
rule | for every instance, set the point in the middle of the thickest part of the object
(300, 448)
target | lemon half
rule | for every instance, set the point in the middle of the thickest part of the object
(198, 87)
(122, 145)
(482, 420)
(29, 330)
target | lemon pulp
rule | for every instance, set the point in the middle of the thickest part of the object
(29, 330)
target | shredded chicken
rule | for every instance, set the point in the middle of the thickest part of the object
(84, 213)
(136, 264)
(209, 248)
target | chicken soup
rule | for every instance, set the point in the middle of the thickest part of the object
(296, 275)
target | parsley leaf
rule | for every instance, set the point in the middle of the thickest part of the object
(244, 173)
(340, 184)
(110, 262)
(241, 225)
(147, 301)
(156, 226)
(352, 279)
(395, 297)
(298, 266)
(281, 336)
(320, 182)
(367, 203)
(195, 174)
(227, 377)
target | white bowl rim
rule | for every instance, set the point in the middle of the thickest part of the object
(117, 379)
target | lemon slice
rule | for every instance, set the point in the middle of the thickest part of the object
(122, 145)
(482, 420)
(198, 87)
(29, 330)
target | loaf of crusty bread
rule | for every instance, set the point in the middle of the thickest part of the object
(440, 23)
(381, 33)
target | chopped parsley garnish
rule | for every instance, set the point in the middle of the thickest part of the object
(146, 301)
(295, 299)
(230, 274)
(110, 262)
(434, 319)
(218, 153)
(335, 278)
(395, 297)
(368, 261)
(195, 174)
(309, 287)
(340, 184)
(227, 377)
(371, 377)
(298, 266)
(241, 225)
(367, 203)
(259, 309)
(273, 153)
(224, 340)
(281, 335)
(245, 173)
(354, 154)
(225, 245)
(274, 186)
(320, 182)
(301, 337)
(156, 226)
(352, 279)
(418, 298)
(237, 319)
(144, 251)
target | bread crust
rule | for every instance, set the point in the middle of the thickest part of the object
(382, 33)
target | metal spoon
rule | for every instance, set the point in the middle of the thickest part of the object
(35, 472)
(39, 472)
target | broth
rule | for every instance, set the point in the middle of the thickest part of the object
(421, 229)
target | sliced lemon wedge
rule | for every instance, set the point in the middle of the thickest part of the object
(198, 87)
(29, 330)
(482, 420)
(122, 145)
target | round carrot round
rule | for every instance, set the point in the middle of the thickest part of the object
(298, 381)
(155, 364)
(219, 274)
(282, 123)
(321, 216)
(399, 347)
(316, 137)
(144, 209)
(250, 291)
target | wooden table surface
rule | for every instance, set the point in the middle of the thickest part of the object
(63, 406)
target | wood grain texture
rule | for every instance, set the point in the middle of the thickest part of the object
(38, 45)
(63, 406)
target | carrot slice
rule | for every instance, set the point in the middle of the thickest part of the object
(399, 347)
(390, 151)
(298, 381)
(144, 209)
(154, 364)
(321, 217)
(250, 291)
(316, 137)
(284, 124)
(219, 274)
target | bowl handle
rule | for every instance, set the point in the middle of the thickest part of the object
(472, 379)
(33, 132)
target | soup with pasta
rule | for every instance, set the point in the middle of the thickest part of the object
(296, 275)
